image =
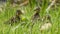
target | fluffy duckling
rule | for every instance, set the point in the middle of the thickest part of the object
(36, 16)
(18, 15)
(15, 18)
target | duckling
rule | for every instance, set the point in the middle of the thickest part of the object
(15, 18)
(36, 16)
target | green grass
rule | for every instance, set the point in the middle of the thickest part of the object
(10, 11)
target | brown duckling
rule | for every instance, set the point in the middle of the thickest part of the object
(18, 15)
(36, 15)
(15, 18)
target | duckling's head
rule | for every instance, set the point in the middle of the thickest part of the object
(37, 9)
(18, 12)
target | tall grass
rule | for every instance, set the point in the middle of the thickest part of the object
(10, 11)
